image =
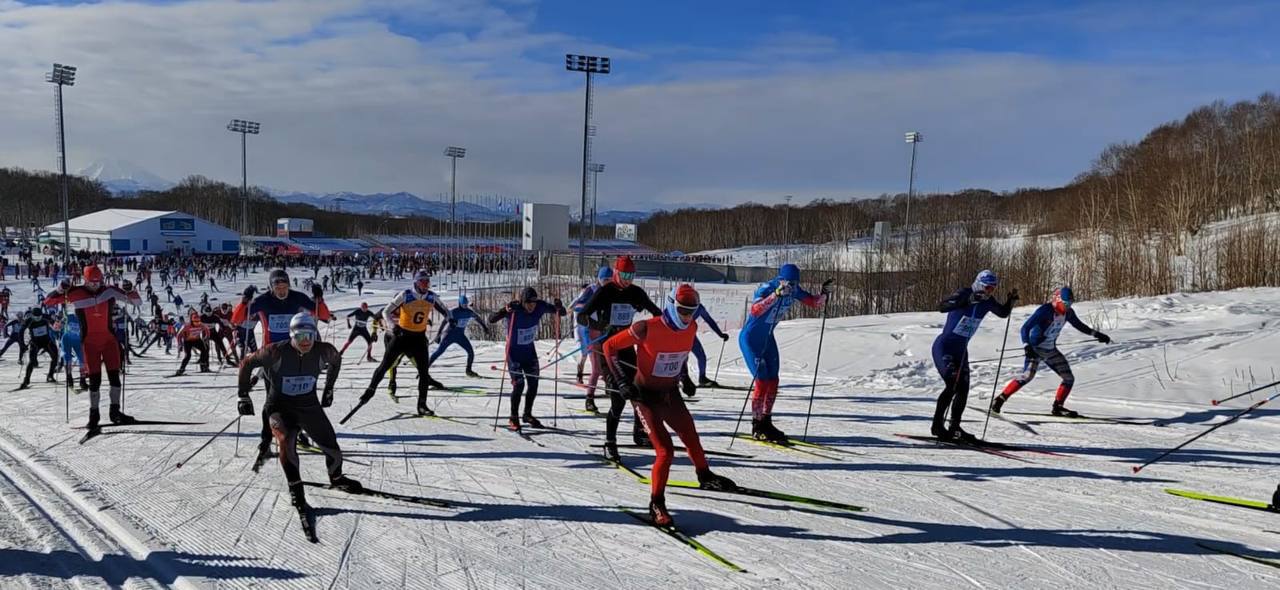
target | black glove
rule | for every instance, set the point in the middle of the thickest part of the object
(724, 336)
(395, 330)
(1030, 351)
(556, 302)
(1103, 338)
(827, 286)
(436, 340)
(629, 391)
(688, 387)
(245, 406)
(326, 400)
(1013, 296)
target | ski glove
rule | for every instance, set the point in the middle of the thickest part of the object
(245, 406)
(327, 399)
(1103, 338)
(1013, 296)
(688, 387)
(1030, 352)
(629, 391)
(783, 290)
(827, 286)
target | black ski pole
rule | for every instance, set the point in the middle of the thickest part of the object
(822, 331)
(502, 386)
(1198, 436)
(719, 358)
(1242, 394)
(353, 411)
(208, 442)
(996, 382)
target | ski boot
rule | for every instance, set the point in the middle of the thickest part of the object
(473, 374)
(205, 369)
(531, 421)
(716, 483)
(704, 382)
(423, 410)
(370, 358)
(118, 417)
(611, 452)
(299, 501)
(264, 453)
(346, 484)
(958, 435)
(304, 440)
(590, 406)
(763, 429)
(998, 403)
(50, 379)
(658, 512)
(180, 373)
(513, 424)
(1275, 499)
(579, 375)
(432, 383)
(94, 417)
(1060, 410)
(84, 383)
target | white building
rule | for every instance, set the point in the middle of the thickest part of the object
(143, 231)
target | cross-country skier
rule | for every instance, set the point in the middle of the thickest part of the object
(277, 306)
(699, 353)
(410, 313)
(361, 329)
(244, 323)
(93, 302)
(194, 336)
(586, 338)
(291, 369)
(523, 319)
(609, 311)
(661, 348)
(37, 324)
(965, 309)
(760, 349)
(454, 331)
(68, 335)
(13, 333)
(1040, 336)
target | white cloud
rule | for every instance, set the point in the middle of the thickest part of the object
(347, 103)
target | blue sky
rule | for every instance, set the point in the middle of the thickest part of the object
(709, 102)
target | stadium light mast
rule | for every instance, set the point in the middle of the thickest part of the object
(244, 128)
(453, 153)
(913, 138)
(590, 64)
(786, 221)
(596, 169)
(62, 75)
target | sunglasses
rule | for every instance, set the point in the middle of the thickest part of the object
(989, 288)
(279, 282)
(301, 336)
(682, 310)
(627, 276)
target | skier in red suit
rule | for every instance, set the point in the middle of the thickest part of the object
(93, 303)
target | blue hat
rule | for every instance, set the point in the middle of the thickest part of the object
(605, 273)
(986, 280)
(462, 300)
(789, 272)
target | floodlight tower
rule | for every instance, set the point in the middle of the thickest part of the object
(589, 64)
(913, 138)
(453, 153)
(244, 128)
(62, 75)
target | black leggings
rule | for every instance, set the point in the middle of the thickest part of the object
(412, 345)
(286, 423)
(616, 403)
(186, 354)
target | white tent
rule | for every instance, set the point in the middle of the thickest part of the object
(145, 231)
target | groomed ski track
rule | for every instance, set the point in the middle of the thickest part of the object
(115, 511)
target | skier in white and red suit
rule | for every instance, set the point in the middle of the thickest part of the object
(93, 303)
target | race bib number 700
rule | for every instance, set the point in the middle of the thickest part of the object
(278, 323)
(668, 364)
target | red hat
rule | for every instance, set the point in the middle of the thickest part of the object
(92, 274)
(624, 264)
(686, 296)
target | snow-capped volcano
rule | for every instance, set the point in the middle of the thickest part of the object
(120, 176)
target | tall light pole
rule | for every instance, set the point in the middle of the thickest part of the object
(453, 153)
(596, 169)
(913, 138)
(244, 128)
(62, 75)
(591, 65)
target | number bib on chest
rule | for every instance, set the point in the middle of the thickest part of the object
(278, 323)
(525, 336)
(361, 323)
(967, 326)
(39, 331)
(297, 385)
(620, 314)
(462, 322)
(668, 364)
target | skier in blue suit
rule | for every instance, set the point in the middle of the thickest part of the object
(965, 309)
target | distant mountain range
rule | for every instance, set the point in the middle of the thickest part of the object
(125, 179)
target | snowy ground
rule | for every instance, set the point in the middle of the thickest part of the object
(115, 511)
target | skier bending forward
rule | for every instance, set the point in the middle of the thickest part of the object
(291, 369)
